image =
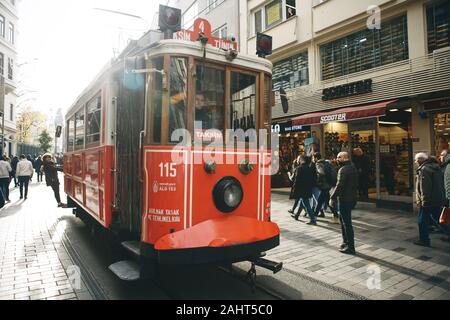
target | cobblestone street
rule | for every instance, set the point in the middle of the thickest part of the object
(383, 243)
(33, 261)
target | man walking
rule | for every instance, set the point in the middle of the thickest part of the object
(304, 184)
(326, 179)
(14, 163)
(24, 172)
(5, 171)
(346, 193)
(430, 195)
(37, 167)
(51, 177)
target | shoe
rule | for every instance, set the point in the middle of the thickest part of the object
(422, 244)
(305, 214)
(322, 215)
(291, 211)
(295, 216)
(62, 205)
(348, 250)
(21, 198)
(312, 223)
(334, 220)
(343, 246)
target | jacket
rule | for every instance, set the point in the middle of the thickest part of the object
(24, 168)
(51, 173)
(323, 169)
(346, 189)
(446, 170)
(5, 169)
(304, 182)
(430, 191)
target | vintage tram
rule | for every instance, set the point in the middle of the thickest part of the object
(126, 169)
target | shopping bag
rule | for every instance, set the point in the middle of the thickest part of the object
(445, 216)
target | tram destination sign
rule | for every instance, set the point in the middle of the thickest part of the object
(347, 90)
(202, 26)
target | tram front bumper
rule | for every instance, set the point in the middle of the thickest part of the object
(226, 239)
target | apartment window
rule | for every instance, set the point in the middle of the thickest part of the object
(11, 33)
(221, 32)
(190, 15)
(2, 26)
(211, 4)
(291, 73)
(10, 68)
(438, 25)
(273, 13)
(2, 63)
(11, 112)
(366, 49)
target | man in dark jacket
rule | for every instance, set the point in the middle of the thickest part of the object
(346, 193)
(14, 163)
(51, 177)
(430, 193)
(304, 183)
(326, 179)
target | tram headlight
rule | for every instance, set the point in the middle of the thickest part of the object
(228, 194)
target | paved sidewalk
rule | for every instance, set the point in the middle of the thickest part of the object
(384, 247)
(34, 264)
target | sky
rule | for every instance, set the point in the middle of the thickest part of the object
(63, 44)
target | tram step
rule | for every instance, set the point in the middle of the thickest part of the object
(126, 270)
(133, 247)
(273, 266)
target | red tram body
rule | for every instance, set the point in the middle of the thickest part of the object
(119, 166)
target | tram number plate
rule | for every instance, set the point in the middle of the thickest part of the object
(168, 170)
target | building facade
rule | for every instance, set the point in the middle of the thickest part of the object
(8, 58)
(358, 74)
(222, 14)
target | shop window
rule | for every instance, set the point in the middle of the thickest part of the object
(243, 101)
(366, 49)
(438, 25)
(442, 132)
(336, 139)
(210, 98)
(94, 108)
(178, 95)
(291, 73)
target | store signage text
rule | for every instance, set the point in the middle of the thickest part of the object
(288, 127)
(347, 90)
(333, 118)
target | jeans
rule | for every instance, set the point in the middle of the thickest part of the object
(304, 202)
(55, 187)
(348, 235)
(323, 201)
(315, 198)
(4, 185)
(424, 220)
(24, 181)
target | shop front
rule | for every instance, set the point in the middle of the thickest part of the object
(379, 139)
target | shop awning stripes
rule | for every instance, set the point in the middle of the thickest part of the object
(343, 114)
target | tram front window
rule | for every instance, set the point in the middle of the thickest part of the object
(178, 95)
(243, 101)
(209, 99)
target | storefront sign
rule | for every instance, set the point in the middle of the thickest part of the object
(347, 90)
(333, 118)
(288, 127)
(437, 104)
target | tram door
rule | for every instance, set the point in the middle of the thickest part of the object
(362, 136)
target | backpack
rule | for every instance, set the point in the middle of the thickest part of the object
(330, 174)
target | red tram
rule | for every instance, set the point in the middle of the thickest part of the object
(172, 202)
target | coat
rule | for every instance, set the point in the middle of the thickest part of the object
(51, 173)
(304, 182)
(430, 191)
(346, 189)
(446, 169)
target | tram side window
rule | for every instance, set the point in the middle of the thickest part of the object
(156, 99)
(79, 129)
(70, 133)
(93, 121)
(210, 98)
(243, 101)
(178, 95)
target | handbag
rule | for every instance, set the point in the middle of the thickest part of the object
(445, 216)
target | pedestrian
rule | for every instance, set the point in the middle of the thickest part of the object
(362, 163)
(445, 160)
(14, 163)
(51, 177)
(31, 159)
(292, 175)
(37, 167)
(326, 180)
(5, 172)
(24, 173)
(304, 184)
(430, 193)
(346, 195)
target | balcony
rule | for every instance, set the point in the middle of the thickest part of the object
(406, 78)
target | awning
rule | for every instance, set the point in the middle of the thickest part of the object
(343, 114)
